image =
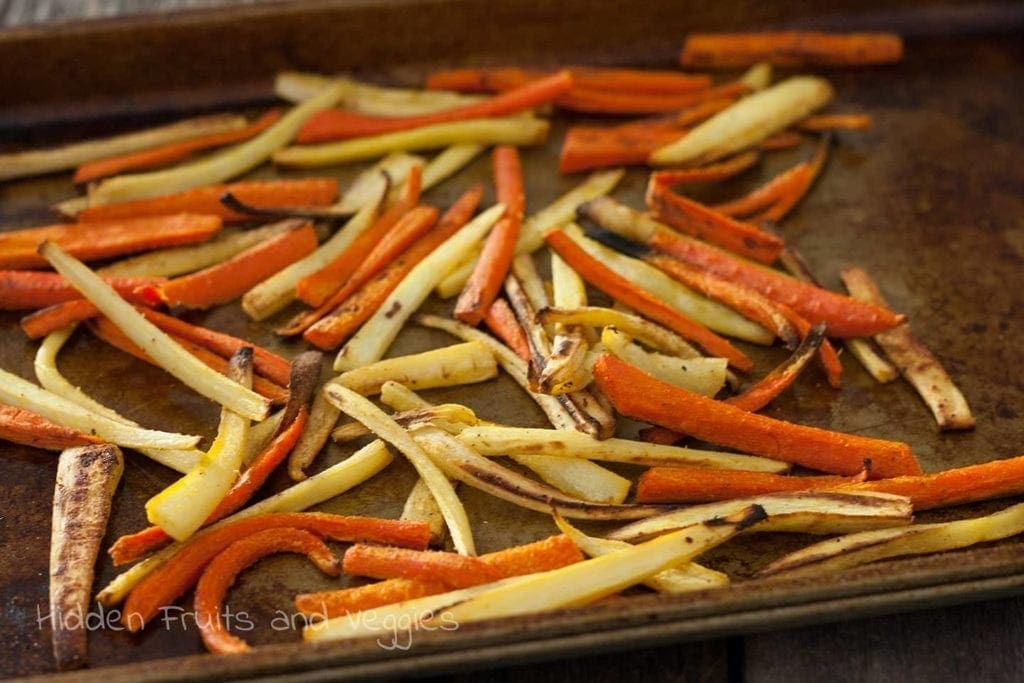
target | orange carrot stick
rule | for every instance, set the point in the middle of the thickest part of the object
(845, 317)
(705, 174)
(22, 290)
(335, 124)
(785, 203)
(181, 571)
(623, 102)
(265, 363)
(621, 289)
(331, 330)
(776, 381)
(105, 239)
(784, 139)
(452, 569)
(135, 546)
(503, 323)
(825, 122)
(228, 564)
(636, 394)
(701, 221)
(550, 553)
(959, 486)
(589, 147)
(826, 352)
(228, 280)
(315, 288)
(789, 49)
(597, 78)
(38, 324)
(766, 194)
(384, 253)
(28, 429)
(702, 485)
(168, 154)
(659, 435)
(206, 200)
(496, 256)
(108, 332)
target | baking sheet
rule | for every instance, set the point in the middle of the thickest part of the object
(930, 202)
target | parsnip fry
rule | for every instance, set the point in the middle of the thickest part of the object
(919, 539)
(181, 508)
(335, 480)
(498, 131)
(685, 578)
(36, 162)
(164, 351)
(218, 167)
(806, 512)
(566, 368)
(705, 376)
(371, 99)
(446, 164)
(583, 582)
(420, 506)
(498, 440)
(277, 291)
(748, 122)
(451, 417)
(359, 408)
(86, 480)
(466, 363)
(916, 363)
(366, 188)
(373, 339)
(641, 329)
(50, 378)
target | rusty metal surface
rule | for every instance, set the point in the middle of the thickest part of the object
(930, 202)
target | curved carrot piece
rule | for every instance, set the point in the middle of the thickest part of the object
(598, 78)
(703, 485)
(106, 239)
(490, 270)
(452, 569)
(826, 352)
(710, 173)
(766, 194)
(230, 279)
(785, 203)
(591, 100)
(784, 139)
(789, 48)
(697, 220)
(335, 124)
(776, 381)
(135, 546)
(550, 553)
(621, 289)
(845, 316)
(206, 200)
(168, 154)
(28, 429)
(183, 569)
(224, 569)
(824, 122)
(636, 394)
(503, 323)
(315, 288)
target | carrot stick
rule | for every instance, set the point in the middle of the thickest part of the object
(135, 546)
(496, 256)
(702, 485)
(826, 352)
(503, 323)
(766, 194)
(825, 122)
(845, 317)
(589, 147)
(785, 203)
(206, 200)
(38, 324)
(334, 124)
(331, 330)
(230, 279)
(108, 332)
(315, 288)
(776, 381)
(790, 49)
(22, 290)
(383, 254)
(971, 484)
(28, 429)
(105, 239)
(550, 553)
(701, 221)
(705, 174)
(225, 567)
(452, 569)
(659, 435)
(183, 569)
(621, 289)
(265, 363)
(596, 101)
(633, 80)
(636, 394)
(168, 154)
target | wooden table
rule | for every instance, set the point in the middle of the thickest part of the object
(969, 642)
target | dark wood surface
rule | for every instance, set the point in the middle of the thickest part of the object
(968, 642)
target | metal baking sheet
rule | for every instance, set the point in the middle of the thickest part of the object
(929, 201)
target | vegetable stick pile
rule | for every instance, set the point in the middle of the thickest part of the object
(348, 268)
